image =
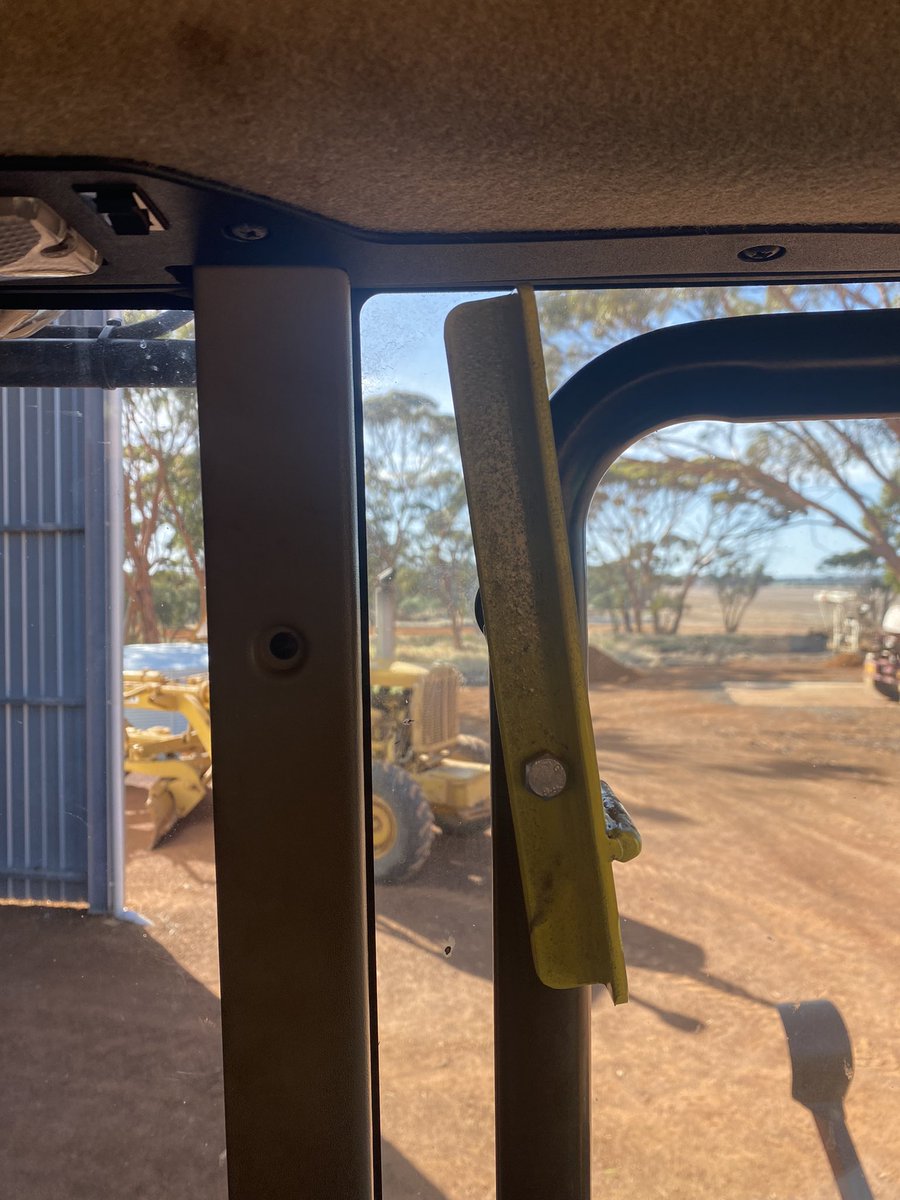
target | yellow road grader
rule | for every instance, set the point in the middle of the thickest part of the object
(424, 771)
(181, 763)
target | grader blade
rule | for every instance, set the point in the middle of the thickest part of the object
(161, 807)
(173, 797)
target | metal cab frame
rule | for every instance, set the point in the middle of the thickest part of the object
(280, 412)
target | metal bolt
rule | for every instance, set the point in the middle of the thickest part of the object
(247, 233)
(545, 776)
(757, 254)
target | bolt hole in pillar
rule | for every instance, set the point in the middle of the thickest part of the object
(281, 649)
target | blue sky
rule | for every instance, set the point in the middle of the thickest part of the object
(403, 350)
(403, 343)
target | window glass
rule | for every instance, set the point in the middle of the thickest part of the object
(729, 627)
(743, 664)
(112, 1066)
(743, 669)
(744, 674)
(429, 706)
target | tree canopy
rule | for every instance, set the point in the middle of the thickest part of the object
(843, 475)
(691, 502)
(417, 521)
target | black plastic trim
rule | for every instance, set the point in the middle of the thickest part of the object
(156, 271)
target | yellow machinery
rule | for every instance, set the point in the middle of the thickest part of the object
(422, 768)
(181, 762)
(420, 772)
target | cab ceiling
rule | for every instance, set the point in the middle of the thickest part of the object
(482, 115)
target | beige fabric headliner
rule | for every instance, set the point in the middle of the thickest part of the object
(466, 116)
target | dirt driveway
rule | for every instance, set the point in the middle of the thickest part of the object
(769, 874)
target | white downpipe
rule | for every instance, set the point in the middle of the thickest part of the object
(112, 413)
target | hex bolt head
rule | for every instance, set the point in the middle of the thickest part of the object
(545, 776)
(246, 232)
(758, 254)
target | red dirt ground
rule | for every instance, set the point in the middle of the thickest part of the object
(769, 874)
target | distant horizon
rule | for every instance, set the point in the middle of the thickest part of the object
(803, 580)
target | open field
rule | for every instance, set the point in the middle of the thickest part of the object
(769, 874)
(779, 608)
(781, 613)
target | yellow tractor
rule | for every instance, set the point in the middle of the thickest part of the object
(423, 771)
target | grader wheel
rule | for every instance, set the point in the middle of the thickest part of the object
(402, 828)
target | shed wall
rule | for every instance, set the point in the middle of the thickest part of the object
(54, 646)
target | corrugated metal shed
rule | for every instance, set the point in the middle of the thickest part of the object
(57, 696)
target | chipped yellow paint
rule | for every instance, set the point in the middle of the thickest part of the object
(564, 848)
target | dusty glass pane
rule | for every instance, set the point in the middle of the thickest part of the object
(737, 625)
(112, 1059)
(702, 1044)
(430, 775)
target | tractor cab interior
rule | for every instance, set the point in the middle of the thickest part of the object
(490, 391)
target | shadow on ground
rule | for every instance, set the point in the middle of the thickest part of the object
(785, 768)
(451, 899)
(401, 1180)
(112, 1063)
(112, 1070)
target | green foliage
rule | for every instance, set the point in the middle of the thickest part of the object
(654, 530)
(868, 572)
(736, 588)
(682, 504)
(853, 560)
(163, 520)
(607, 592)
(176, 600)
(578, 325)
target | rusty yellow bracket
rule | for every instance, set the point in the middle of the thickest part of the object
(566, 837)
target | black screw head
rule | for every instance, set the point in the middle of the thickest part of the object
(761, 254)
(246, 232)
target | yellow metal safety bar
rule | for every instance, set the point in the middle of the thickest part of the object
(569, 828)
